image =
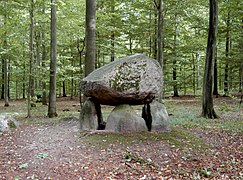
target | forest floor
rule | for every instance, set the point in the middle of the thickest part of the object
(196, 148)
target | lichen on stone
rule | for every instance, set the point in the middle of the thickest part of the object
(127, 76)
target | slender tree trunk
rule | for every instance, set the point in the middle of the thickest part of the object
(43, 64)
(80, 52)
(64, 89)
(207, 96)
(52, 92)
(31, 85)
(90, 48)
(175, 86)
(2, 85)
(38, 57)
(24, 72)
(227, 44)
(112, 46)
(5, 73)
(5, 66)
(194, 75)
(198, 69)
(160, 33)
(113, 33)
(43, 60)
(215, 81)
(155, 32)
(241, 62)
(9, 74)
(150, 31)
(159, 41)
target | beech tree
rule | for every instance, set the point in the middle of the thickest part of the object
(31, 50)
(207, 96)
(90, 45)
(52, 85)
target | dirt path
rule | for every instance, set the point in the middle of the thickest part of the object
(57, 152)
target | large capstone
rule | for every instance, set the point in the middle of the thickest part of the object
(132, 80)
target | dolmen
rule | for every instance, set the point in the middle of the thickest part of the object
(129, 81)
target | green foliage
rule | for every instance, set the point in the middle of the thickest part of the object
(11, 124)
(24, 166)
(132, 27)
(42, 155)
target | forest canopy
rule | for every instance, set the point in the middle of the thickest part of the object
(122, 28)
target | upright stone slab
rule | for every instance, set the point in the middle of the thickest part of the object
(160, 118)
(124, 119)
(88, 116)
(132, 80)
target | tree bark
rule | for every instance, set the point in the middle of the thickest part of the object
(215, 81)
(207, 96)
(52, 92)
(31, 84)
(113, 33)
(2, 85)
(155, 50)
(90, 48)
(175, 87)
(241, 62)
(160, 33)
(226, 70)
(6, 103)
(43, 60)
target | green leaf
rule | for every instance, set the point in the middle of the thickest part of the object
(23, 166)
(42, 155)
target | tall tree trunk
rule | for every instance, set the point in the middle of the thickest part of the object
(215, 81)
(155, 50)
(160, 33)
(90, 48)
(241, 62)
(113, 33)
(227, 44)
(198, 69)
(175, 86)
(31, 84)
(52, 92)
(2, 85)
(24, 76)
(43, 60)
(5, 72)
(64, 89)
(38, 58)
(159, 45)
(80, 52)
(112, 46)
(207, 96)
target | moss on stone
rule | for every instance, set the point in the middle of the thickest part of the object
(11, 124)
(127, 76)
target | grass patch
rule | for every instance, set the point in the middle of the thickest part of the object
(188, 116)
(177, 138)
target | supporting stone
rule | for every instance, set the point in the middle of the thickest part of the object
(160, 118)
(101, 123)
(124, 119)
(88, 116)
